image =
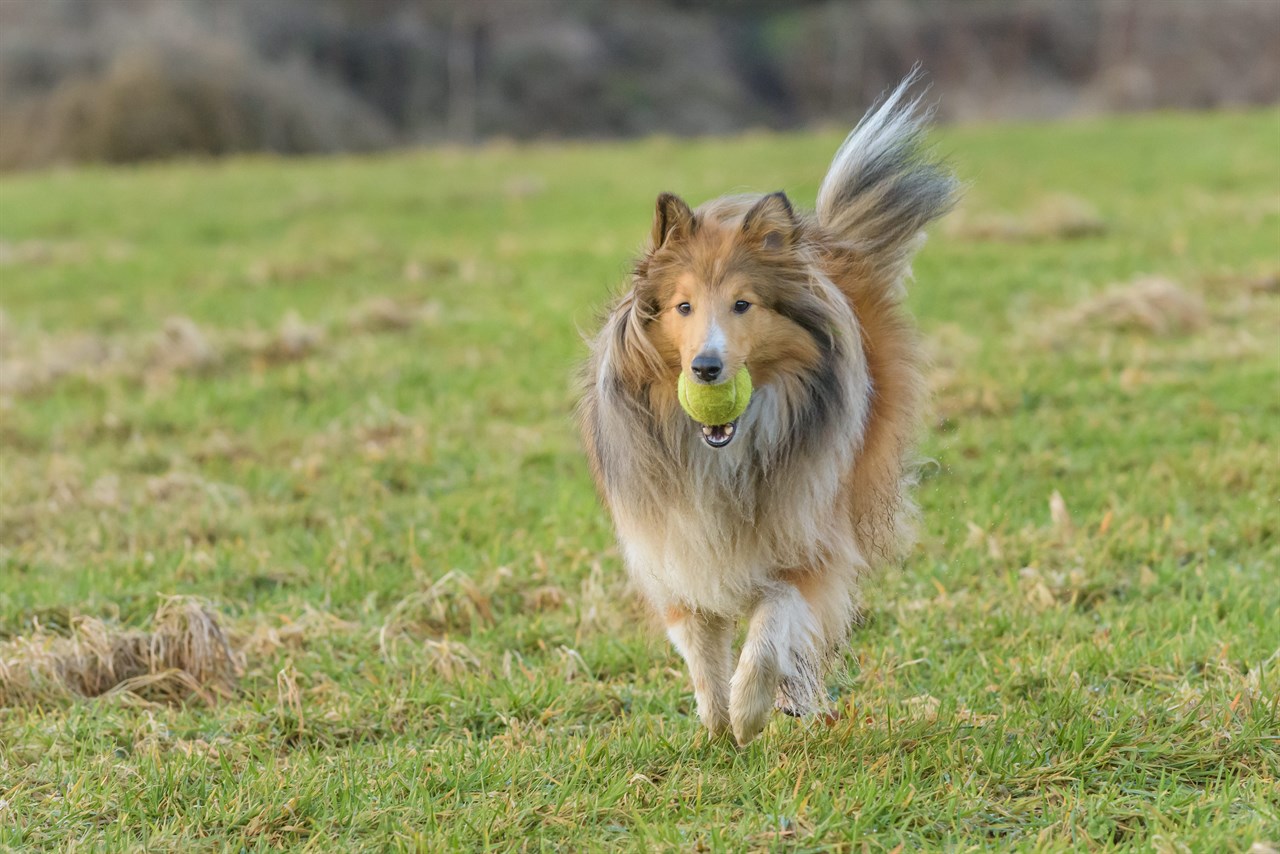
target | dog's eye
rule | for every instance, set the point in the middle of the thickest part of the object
(741, 306)
(684, 308)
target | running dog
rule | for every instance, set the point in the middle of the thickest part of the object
(779, 516)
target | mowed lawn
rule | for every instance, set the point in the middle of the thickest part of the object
(332, 399)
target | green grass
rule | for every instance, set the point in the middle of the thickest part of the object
(400, 523)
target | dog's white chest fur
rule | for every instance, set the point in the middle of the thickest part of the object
(725, 532)
(681, 560)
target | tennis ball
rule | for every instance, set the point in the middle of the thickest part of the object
(714, 405)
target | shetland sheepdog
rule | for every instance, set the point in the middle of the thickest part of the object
(777, 517)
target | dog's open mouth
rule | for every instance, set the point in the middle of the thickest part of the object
(719, 435)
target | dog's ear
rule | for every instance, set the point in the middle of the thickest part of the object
(771, 223)
(672, 220)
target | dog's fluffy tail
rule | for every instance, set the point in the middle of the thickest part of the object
(883, 187)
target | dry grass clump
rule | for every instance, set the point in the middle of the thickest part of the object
(1151, 304)
(36, 361)
(17, 253)
(454, 602)
(186, 654)
(1056, 217)
(183, 346)
(293, 339)
(384, 314)
(955, 395)
(293, 633)
(1239, 291)
(449, 658)
(1066, 217)
(1268, 283)
(956, 389)
(27, 367)
(31, 362)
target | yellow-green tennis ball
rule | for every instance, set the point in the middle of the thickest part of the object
(714, 405)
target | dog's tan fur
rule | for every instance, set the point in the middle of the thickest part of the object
(780, 525)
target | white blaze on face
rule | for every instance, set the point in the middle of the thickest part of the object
(716, 341)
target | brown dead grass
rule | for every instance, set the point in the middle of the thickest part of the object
(454, 602)
(957, 395)
(40, 252)
(1060, 216)
(294, 633)
(384, 314)
(183, 346)
(293, 339)
(1153, 304)
(956, 390)
(1259, 283)
(449, 658)
(1242, 296)
(185, 655)
(32, 361)
(27, 366)
(7, 333)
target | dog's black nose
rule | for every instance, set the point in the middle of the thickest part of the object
(707, 368)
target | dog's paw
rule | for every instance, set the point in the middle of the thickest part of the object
(789, 710)
(750, 702)
(797, 696)
(715, 720)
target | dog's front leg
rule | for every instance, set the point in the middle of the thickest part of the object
(783, 640)
(706, 642)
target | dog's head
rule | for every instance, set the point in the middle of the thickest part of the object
(728, 286)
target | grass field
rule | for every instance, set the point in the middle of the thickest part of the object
(332, 399)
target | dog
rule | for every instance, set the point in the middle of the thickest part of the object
(778, 517)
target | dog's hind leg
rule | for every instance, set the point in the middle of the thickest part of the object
(784, 647)
(706, 643)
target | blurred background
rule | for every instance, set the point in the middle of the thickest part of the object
(130, 80)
